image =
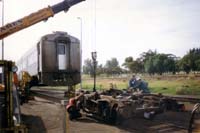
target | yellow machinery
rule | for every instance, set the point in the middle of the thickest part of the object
(24, 87)
(25, 78)
(10, 119)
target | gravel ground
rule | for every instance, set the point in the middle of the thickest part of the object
(42, 116)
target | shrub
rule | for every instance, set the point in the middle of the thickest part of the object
(183, 91)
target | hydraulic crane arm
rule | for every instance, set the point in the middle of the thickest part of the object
(36, 17)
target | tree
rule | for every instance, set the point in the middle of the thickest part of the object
(160, 63)
(170, 64)
(134, 66)
(146, 60)
(198, 64)
(146, 55)
(100, 69)
(138, 66)
(88, 67)
(149, 66)
(128, 63)
(112, 66)
(190, 62)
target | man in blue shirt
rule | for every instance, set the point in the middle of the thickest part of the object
(142, 86)
(132, 82)
(138, 83)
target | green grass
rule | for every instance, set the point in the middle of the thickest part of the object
(166, 86)
(163, 86)
(104, 83)
(177, 86)
(181, 86)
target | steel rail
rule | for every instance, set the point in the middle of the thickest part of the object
(49, 97)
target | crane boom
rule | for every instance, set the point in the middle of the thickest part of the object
(36, 17)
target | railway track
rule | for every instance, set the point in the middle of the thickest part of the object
(162, 125)
(52, 95)
(180, 98)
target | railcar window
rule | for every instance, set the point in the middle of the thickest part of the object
(61, 49)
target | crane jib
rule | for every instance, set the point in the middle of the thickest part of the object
(65, 5)
(10, 26)
(25, 22)
(36, 17)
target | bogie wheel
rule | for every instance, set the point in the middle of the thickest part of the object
(194, 125)
(106, 114)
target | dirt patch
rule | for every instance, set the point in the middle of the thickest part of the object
(87, 125)
(42, 116)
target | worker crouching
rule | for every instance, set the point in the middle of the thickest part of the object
(73, 107)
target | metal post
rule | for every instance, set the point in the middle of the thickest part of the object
(81, 29)
(94, 57)
(2, 25)
(94, 76)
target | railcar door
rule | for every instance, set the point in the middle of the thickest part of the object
(62, 58)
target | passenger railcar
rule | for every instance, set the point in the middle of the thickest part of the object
(55, 60)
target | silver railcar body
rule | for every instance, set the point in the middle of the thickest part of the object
(55, 60)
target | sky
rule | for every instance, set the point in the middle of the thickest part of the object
(115, 28)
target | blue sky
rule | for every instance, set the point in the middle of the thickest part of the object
(123, 28)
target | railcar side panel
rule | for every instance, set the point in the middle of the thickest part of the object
(75, 56)
(29, 62)
(48, 56)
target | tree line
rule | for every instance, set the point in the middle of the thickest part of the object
(150, 62)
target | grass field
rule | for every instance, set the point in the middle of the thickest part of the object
(182, 86)
(174, 85)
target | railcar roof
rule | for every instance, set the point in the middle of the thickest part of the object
(54, 35)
